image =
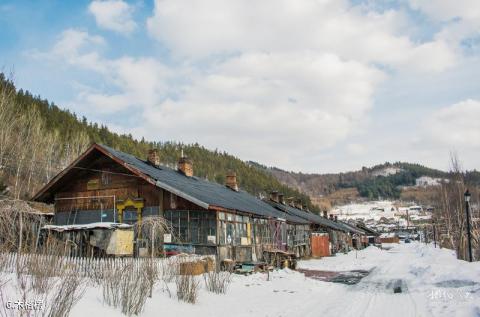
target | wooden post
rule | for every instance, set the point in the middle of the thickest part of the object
(20, 242)
(152, 236)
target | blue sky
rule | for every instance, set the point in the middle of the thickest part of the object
(313, 86)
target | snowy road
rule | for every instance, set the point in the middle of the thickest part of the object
(432, 282)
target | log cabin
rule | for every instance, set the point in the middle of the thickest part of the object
(108, 186)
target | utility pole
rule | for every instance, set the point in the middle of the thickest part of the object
(434, 234)
(469, 233)
(425, 228)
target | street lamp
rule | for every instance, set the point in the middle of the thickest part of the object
(434, 234)
(469, 234)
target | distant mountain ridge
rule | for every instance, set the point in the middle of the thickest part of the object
(380, 181)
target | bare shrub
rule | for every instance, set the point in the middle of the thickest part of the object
(187, 287)
(111, 286)
(3, 261)
(150, 269)
(153, 229)
(170, 268)
(217, 281)
(135, 290)
(19, 226)
(49, 263)
(450, 217)
(69, 290)
(128, 286)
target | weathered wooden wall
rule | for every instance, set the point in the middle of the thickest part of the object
(91, 191)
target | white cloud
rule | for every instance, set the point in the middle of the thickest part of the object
(356, 149)
(455, 126)
(114, 15)
(281, 82)
(261, 106)
(137, 82)
(141, 82)
(461, 17)
(199, 29)
(446, 10)
(74, 47)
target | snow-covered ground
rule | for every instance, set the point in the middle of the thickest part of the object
(434, 283)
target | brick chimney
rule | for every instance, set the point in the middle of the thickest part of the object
(281, 199)
(185, 165)
(331, 217)
(274, 196)
(336, 218)
(325, 214)
(232, 181)
(299, 204)
(290, 202)
(153, 157)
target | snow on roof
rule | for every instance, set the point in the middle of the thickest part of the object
(95, 225)
(388, 235)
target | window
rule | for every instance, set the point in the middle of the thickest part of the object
(196, 227)
(105, 178)
(234, 229)
(173, 201)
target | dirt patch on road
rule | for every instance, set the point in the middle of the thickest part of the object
(343, 277)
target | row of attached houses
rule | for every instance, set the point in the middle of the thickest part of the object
(106, 188)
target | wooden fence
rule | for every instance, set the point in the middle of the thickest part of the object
(86, 267)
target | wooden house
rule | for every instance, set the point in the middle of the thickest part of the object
(340, 235)
(108, 186)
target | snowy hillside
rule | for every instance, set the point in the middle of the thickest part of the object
(387, 171)
(386, 211)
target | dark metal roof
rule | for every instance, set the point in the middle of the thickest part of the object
(312, 218)
(351, 228)
(367, 229)
(199, 191)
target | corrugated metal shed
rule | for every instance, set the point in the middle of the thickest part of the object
(200, 191)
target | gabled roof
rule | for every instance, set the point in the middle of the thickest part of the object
(312, 218)
(368, 230)
(351, 228)
(201, 192)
